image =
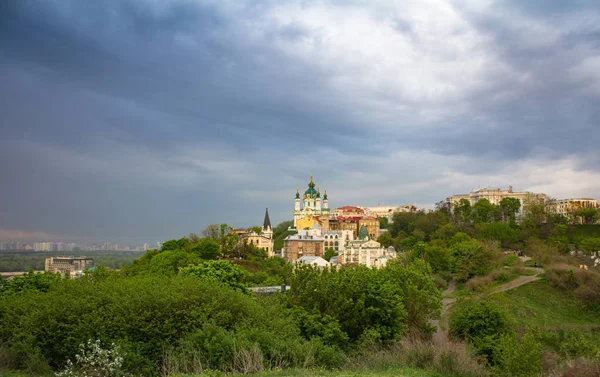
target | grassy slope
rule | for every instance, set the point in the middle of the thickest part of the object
(538, 304)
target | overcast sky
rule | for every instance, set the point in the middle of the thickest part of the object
(142, 120)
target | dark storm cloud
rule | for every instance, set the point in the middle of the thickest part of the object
(144, 120)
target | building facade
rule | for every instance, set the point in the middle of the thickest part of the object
(366, 251)
(305, 243)
(495, 195)
(70, 266)
(567, 207)
(263, 239)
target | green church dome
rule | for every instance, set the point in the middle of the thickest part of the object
(310, 192)
(363, 234)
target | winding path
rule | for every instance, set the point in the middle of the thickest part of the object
(442, 323)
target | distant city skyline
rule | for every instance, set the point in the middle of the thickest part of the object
(46, 246)
(136, 121)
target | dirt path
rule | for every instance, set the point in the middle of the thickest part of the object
(521, 280)
(442, 323)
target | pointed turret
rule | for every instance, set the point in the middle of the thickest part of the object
(267, 222)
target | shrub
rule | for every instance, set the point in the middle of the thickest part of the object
(519, 359)
(141, 315)
(480, 324)
(478, 283)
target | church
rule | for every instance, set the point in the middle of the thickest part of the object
(263, 239)
(311, 209)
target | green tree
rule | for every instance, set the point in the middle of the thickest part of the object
(420, 297)
(472, 258)
(587, 215)
(386, 239)
(534, 209)
(383, 222)
(510, 207)
(329, 253)
(364, 301)
(220, 271)
(462, 211)
(206, 248)
(590, 244)
(170, 245)
(484, 212)
(439, 258)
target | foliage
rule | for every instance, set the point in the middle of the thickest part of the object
(363, 301)
(329, 253)
(510, 207)
(206, 248)
(479, 323)
(484, 212)
(517, 358)
(386, 239)
(587, 215)
(219, 271)
(472, 258)
(142, 314)
(31, 281)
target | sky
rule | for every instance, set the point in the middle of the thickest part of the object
(138, 121)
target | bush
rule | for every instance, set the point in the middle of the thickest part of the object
(479, 283)
(519, 359)
(479, 323)
(143, 314)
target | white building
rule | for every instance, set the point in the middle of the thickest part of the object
(366, 251)
(312, 261)
(495, 195)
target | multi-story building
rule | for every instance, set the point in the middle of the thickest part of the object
(336, 239)
(365, 250)
(263, 239)
(389, 211)
(495, 195)
(68, 266)
(304, 243)
(567, 207)
(355, 223)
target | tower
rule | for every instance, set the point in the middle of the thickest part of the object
(318, 200)
(267, 234)
(311, 205)
(297, 201)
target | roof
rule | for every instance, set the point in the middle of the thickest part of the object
(267, 222)
(311, 260)
(350, 208)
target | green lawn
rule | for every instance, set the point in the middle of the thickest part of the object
(538, 304)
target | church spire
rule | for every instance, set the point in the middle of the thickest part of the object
(267, 222)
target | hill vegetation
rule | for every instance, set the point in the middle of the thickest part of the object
(186, 308)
